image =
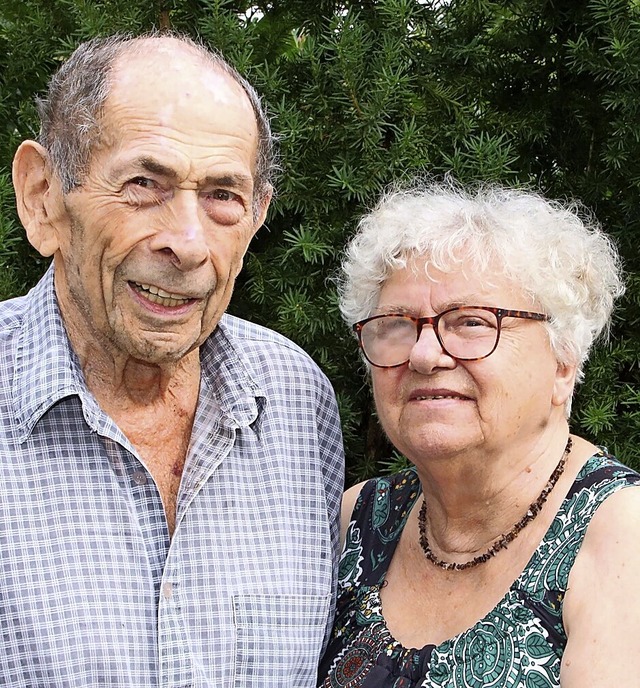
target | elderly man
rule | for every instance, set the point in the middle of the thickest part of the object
(170, 475)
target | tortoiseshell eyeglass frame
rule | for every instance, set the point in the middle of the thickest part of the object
(433, 320)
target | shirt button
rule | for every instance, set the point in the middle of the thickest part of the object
(140, 478)
(167, 591)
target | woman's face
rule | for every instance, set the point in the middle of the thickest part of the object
(435, 405)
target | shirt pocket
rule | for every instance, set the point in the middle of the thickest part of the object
(279, 639)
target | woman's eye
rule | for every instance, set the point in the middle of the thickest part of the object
(468, 321)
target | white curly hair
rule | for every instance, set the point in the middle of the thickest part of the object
(554, 252)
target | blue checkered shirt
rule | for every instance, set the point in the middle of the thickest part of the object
(92, 589)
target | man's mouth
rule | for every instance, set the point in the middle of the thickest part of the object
(438, 396)
(159, 296)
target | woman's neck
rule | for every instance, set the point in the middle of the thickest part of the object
(476, 496)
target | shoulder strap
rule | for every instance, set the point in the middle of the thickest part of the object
(599, 478)
(379, 515)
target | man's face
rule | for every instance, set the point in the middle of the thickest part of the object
(155, 236)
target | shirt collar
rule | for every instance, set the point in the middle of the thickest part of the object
(229, 376)
(47, 370)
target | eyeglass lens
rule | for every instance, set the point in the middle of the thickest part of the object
(464, 334)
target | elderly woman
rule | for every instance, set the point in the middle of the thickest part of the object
(507, 555)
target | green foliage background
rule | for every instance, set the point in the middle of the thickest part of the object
(364, 93)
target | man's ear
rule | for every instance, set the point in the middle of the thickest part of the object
(38, 197)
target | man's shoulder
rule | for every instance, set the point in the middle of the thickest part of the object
(12, 315)
(251, 336)
(31, 311)
(12, 311)
(247, 330)
(267, 352)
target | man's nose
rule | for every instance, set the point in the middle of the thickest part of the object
(183, 234)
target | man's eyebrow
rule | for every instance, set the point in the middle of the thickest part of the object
(227, 180)
(145, 164)
(158, 168)
(243, 181)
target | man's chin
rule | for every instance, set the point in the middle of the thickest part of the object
(160, 352)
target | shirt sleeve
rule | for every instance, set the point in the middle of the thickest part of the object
(332, 464)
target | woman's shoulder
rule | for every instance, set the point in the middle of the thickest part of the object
(383, 503)
(600, 609)
(596, 488)
(603, 481)
(382, 491)
(374, 514)
(602, 475)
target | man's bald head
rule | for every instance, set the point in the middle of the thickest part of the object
(71, 111)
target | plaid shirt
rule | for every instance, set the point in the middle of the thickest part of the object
(93, 591)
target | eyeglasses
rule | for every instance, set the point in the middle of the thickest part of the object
(466, 333)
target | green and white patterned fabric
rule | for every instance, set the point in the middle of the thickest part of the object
(518, 644)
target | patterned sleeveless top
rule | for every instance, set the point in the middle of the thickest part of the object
(519, 643)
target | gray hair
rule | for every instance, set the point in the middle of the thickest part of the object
(556, 253)
(70, 112)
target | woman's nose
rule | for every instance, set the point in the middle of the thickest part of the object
(427, 353)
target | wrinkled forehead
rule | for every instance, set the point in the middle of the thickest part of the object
(164, 72)
(173, 103)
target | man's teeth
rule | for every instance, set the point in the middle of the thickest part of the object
(160, 296)
(439, 396)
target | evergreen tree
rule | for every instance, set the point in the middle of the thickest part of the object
(365, 93)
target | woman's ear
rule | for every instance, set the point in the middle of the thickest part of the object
(564, 383)
(39, 197)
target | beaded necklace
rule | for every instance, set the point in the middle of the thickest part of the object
(502, 541)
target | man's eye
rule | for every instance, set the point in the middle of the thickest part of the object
(223, 206)
(143, 182)
(222, 195)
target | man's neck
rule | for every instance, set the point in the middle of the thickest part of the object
(133, 383)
